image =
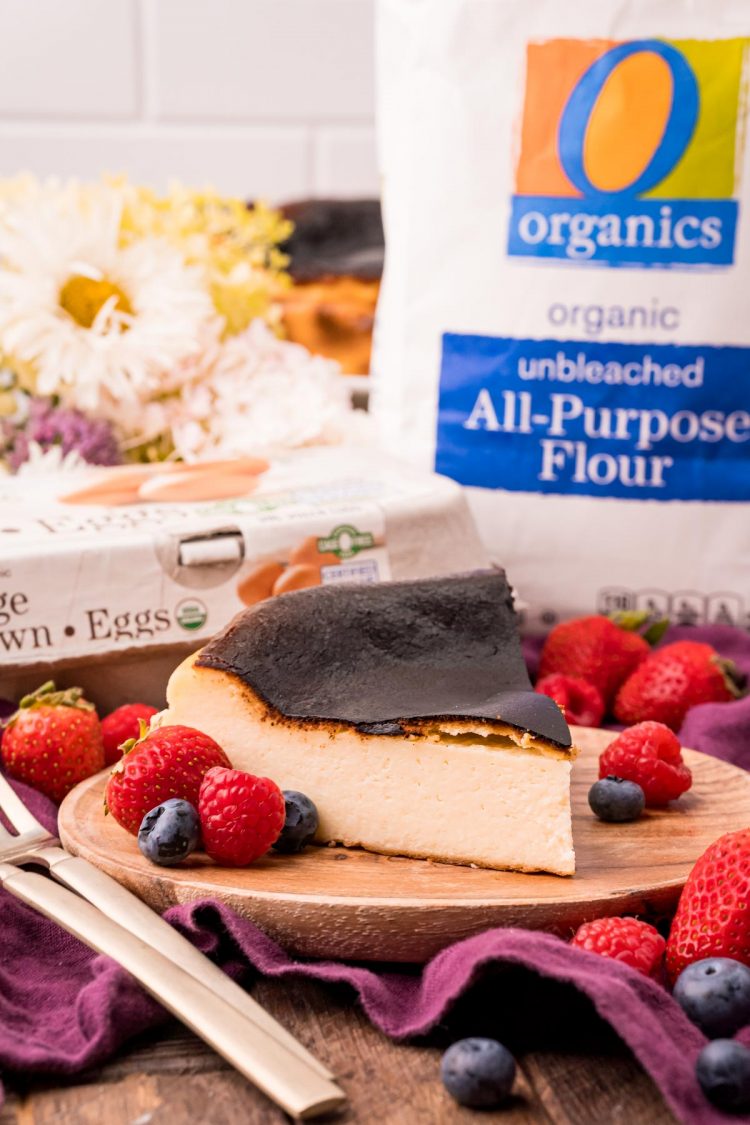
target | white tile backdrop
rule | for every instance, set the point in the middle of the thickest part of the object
(272, 98)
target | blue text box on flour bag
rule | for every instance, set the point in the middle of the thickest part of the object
(635, 421)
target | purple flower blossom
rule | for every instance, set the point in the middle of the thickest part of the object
(49, 425)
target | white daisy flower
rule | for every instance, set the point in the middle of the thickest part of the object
(96, 320)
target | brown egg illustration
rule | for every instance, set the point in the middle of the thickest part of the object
(131, 484)
(119, 486)
(211, 484)
(258, 584)
(297, 578)
(254, 466)
(307, 552)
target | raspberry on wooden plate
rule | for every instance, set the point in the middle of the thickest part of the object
(650, 755)
(241, 815)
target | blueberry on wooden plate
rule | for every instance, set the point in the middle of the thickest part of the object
(616, 800)
(170, 832)
(300, 823)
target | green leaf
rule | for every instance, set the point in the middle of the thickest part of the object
(631, 620)
(634, 620)
(656, 630)
(734, 679)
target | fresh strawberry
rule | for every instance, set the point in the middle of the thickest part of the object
(672, 680)
(650, 755)
(594, 649)
(121, 726)
(580, 700)
(53, 741)
(241, 816)
(624, 939)
(712, 918)
(163, 763)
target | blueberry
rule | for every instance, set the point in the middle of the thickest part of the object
(478, 1072)
(715, 994)
(617, 800)
(300, 825)
(170, 832)
(723, 1071)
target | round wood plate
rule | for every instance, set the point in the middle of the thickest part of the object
(348, 903)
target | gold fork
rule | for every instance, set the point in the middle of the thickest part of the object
(113, 921)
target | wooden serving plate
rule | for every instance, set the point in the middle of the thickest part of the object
(348, 903)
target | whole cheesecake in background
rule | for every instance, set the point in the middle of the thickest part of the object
(336, 262)
(404, 710)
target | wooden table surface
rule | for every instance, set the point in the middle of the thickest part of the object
(171, 1078)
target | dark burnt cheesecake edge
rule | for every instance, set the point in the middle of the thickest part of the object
(321, 655)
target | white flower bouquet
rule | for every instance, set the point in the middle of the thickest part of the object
(142, 327)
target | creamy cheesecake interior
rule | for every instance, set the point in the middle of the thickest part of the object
(459, 790)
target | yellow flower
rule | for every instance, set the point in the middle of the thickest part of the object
(25, 375)
(236, 246)
(83, 298)
(8, 404)
(107, 287)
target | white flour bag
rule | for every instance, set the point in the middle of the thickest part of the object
(565, 319)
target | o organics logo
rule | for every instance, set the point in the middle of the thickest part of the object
(629, 152)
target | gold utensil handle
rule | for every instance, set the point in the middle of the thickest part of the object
(132, 914)
(279, 1073)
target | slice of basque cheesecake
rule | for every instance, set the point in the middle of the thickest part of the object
(403, 709)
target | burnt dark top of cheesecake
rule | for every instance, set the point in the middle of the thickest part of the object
(371, 655)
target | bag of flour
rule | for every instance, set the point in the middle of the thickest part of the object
(564, 324)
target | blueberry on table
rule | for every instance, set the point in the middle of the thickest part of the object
(723, 1071)
(715, 994)
(300, 823)
(170, 832)
(616, 800)
(478, 1072)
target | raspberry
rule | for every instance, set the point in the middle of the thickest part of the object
(624, 939)
(241, 815)
(650, 755)
(581, 701)
(121, 725)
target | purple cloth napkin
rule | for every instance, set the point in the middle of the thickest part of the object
(62, 1008)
